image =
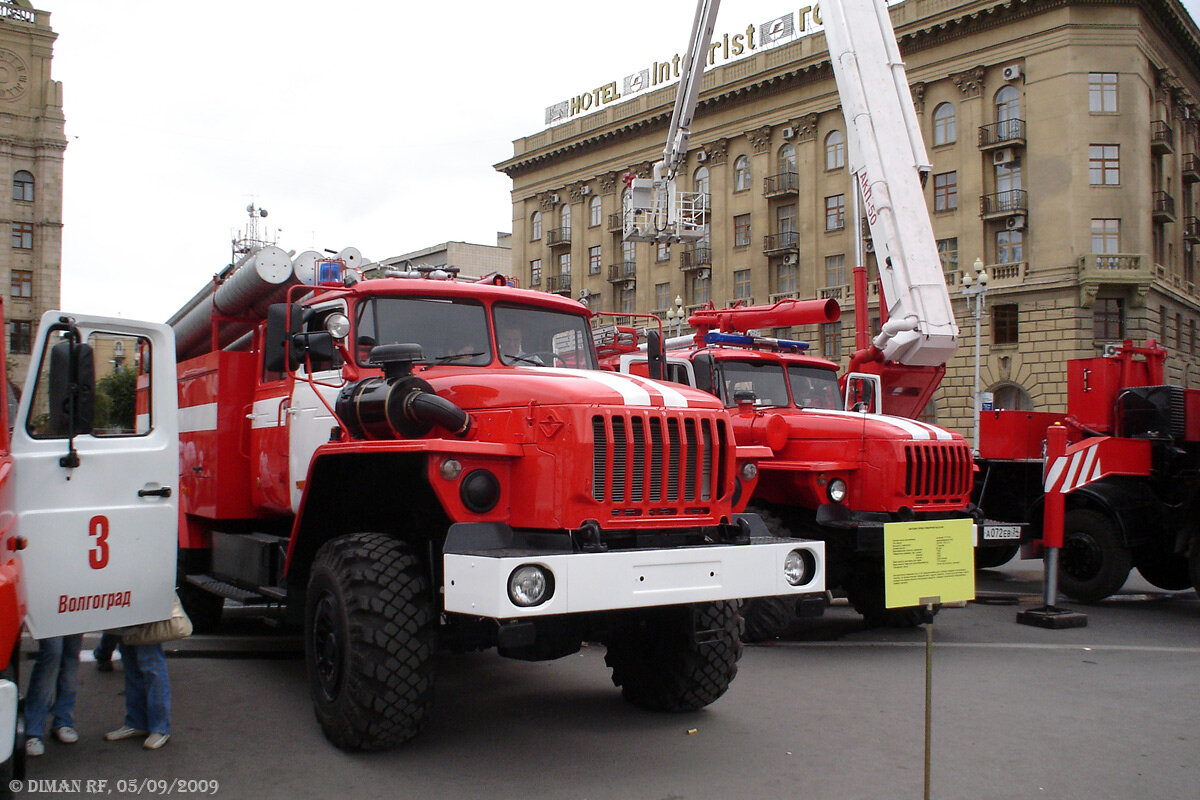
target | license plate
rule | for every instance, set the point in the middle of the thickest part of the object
(994, 532)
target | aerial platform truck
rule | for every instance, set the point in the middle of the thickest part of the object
(403, 459)
(834, 475)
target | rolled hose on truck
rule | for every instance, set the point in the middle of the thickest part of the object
(397, 408)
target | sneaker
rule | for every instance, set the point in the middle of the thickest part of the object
(34, 747)
(66, 734)
(156, 740)
(123, 732)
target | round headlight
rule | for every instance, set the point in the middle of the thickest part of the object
(530, 585)
(338, 326)
(798, 567)
(837, 490)
(749, 471)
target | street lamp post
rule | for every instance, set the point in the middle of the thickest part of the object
(975, 293)
(675, 316)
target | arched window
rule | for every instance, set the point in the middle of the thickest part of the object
(835, 150)
(741, 173)
(594, 212)
(23, 186)
(1010, 397)
(1008, 104)
(535, 226)
(944, 125)
(700, 180)
(564, 217)
(787, 158)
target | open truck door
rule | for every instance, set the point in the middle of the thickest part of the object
(95, 445)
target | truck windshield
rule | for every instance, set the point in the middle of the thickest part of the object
(449, 330)
(533, 336)
(765, 379)
(814, 387)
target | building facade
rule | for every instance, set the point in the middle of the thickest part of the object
(472, 260)
(1065, 140)
(32, 144)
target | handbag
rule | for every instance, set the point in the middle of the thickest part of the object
(177, 626)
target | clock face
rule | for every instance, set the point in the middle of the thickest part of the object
(14, 76)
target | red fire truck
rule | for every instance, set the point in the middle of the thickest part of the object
(839, 471)
(87, 516)
(1145, 517)
(409, 459)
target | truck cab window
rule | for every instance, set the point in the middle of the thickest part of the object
(532, 336)
(765, 380)
(449, 330)
(814, 387)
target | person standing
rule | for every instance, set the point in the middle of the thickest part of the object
(53, 685)
(104, 651)
(147, 696)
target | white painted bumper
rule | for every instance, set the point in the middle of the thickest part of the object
(477, 583)
(8, 718)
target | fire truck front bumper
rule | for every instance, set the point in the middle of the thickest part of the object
(505, 582)
(865, 529)
(8, 718)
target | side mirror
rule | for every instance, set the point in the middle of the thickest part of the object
(863, 393)
(657, 361)
(71, 389)
(283, 322)
(706, 374)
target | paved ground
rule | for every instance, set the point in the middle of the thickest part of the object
(834, 711)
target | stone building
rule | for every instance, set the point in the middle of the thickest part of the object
(472, 260)
(1064, 136)
(31, 161)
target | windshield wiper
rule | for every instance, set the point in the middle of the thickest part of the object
(455, 357)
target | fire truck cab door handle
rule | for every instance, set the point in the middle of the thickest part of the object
(162, 491)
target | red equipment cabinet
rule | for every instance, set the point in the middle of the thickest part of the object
(1143, 512)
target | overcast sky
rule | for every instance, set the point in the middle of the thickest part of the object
(353, 122)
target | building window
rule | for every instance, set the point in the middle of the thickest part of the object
(741, 284)
(20, 337)
(948, 254)
(1108, 319)
(1104, 164)
(701, 289)
(22, 235)
(594, 260)
(785, 278)
(831, 340)
(741, 230)
(662, 251)
(835, 212)
(662, 297)
(1178, 331)
(1106, 236)
(1009, 246)
(22, 283)
(1010, 397)
(23, 186)
(1008, 107)
(1004, 324)
(787, 159)
(535, 227)
(944, 126)
(594, 214)
(564, 265)
(785, 219)
(565, 218)
(1163, 331)
(627, 300)
(741, 173)
(629, 252)
(835, 150)
(945, 191)
(535, 272)
(1102, 92)
(700, 180)
(835, 270)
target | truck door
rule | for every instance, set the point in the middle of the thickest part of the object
(96, 474)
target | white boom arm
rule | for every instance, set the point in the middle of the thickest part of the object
(889, 171)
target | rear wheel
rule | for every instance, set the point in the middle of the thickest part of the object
(1093, 563)
(675, 658)
(865, 591)
(1165, 570)
(989, 557)
(369, 641)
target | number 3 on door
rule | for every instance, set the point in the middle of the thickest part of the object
(98, 527)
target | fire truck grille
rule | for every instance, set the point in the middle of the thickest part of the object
(640, 457)
(937, 472)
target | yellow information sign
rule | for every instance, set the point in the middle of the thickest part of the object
(928, 562)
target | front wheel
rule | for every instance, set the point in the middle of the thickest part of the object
(866, 592)
(675, 658)
(369, 641)
(1094, 563)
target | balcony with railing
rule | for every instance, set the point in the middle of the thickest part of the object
(775, 297)
(558, 237)
(785, 183)
(840, 292)
(1010, 273)
(1163, 207)
(1191, 229)
(559, 284)
(1012, 201)
(1007, 133)
(615, 222)
(1162, 138)
(1103, 269)
(623, 271)
(695, 258)
(775, 243)
(1189, 167)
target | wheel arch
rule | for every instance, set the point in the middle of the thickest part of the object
(1129, 503)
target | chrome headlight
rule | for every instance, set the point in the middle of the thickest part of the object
(799, 567)
(337, 326)
(530, 585)
(836, 490)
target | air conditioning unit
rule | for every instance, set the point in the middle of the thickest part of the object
(629, 284)
(788, 132)
(1015, 223)
(1004, 156)
(1110, 349)
(790, 260)
(554, 197)
(702, 156)
(869, 245)
(704, 274)
(585, 190)
(1012, 72)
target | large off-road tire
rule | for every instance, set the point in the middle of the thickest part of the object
(999, 555)
(865, 591)
(676, 658)
(369, 630)
(203, 608)
(767, 617)
(1167, 571)
(1094, 563)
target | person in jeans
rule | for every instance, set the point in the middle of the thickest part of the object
(147, 696)
(53, 685)
(104, 651)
